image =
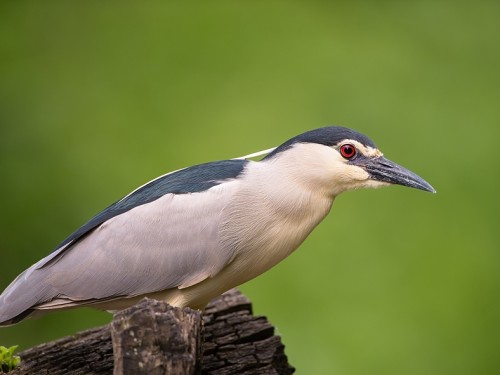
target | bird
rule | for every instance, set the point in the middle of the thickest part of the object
(190, 235)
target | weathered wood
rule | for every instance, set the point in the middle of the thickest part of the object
(233, 342)
(236, 342)
(88, 352)
(155, 338)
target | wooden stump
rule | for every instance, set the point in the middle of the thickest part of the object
(155, 338)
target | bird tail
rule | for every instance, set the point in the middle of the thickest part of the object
(18, 300)
(16, 319)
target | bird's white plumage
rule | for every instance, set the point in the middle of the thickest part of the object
(213, 227)
(256, 154)
(246, 226)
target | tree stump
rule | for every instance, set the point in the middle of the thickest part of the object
(153, 337)
(156, 338)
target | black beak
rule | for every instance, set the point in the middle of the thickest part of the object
(381, 169)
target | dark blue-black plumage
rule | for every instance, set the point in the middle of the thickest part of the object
(328, 136)
(193, 179)
(201, 177)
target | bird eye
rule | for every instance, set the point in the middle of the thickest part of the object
(348, 151)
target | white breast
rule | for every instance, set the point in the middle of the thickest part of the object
(270, 216)
(272, 209)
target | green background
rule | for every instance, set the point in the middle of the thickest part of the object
(97, 98)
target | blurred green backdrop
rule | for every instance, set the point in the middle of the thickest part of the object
(97, 98)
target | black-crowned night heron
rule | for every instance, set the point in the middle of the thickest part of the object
(190, 235)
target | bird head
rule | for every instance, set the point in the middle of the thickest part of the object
(343, 159)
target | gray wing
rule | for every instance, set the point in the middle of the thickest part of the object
(149, 241)
(194, 179)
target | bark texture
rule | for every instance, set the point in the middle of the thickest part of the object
(155, 338)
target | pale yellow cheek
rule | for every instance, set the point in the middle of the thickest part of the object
(372, 184)
(345, 173)
(347, 177)
(357, 174)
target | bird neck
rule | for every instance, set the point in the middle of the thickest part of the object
(271, 215)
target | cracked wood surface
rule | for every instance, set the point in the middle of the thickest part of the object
(155, 338)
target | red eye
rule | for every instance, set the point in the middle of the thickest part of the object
(348, 151)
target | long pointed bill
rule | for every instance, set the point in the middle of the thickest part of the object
(382, 169)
